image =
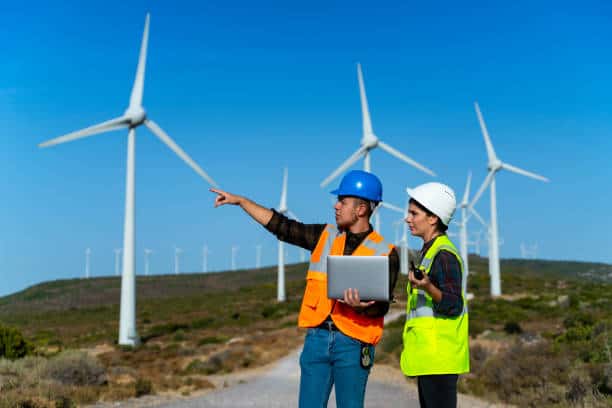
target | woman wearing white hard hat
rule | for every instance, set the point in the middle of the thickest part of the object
(436, 331)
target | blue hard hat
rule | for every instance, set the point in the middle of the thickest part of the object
(359, 183)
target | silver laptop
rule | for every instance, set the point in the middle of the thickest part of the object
(368, 274)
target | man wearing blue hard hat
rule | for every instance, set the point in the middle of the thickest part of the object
(339, 345)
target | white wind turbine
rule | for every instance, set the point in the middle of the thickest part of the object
(205, 253)
(495, 165)
(177, 260)
(257, 256)
(369, 141)
(282, 209)
(133, 117)
(235, 249)
(117, 260)
(466, 213)
(87, 261)
(147, 252)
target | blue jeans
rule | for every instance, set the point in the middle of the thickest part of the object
(332, 358)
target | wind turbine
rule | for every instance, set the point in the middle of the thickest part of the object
(147, 253)
(87, 259)
(177, 260)
(282, 209)
(369, 141)
(257, 256)
(495, 165)
(234, 253)
(133, 117)
(205, 253)
(117, 259)
(466, 213)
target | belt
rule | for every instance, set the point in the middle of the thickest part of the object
(328, 325)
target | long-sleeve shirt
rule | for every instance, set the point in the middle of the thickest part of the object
(307, 236)
(445, 274)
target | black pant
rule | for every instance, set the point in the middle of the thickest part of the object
(438, 391)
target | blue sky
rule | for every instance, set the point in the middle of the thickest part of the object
(249, 88)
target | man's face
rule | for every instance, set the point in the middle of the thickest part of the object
(346, 211)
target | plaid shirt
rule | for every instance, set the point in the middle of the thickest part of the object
(445, 274)
(307, 237)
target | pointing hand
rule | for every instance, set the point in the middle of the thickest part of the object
(223, 197)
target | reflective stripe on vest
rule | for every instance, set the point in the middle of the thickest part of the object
(433, 343)
(315, 304)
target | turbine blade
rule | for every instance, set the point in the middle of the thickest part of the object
(490, 151)
(157, 131)
(466, 194)
(283, 202)
(404, 158)
(392, 207)
(348, 163)
(365, 110)
(109, 125)
(482, 188)
(292, 215)
(138, 88)
(522, 172)
(478, 217)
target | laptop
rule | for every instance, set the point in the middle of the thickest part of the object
(368, 274)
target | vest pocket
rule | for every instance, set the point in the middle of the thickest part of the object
(311, 299)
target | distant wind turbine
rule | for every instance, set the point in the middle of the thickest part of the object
(282, 209)
(87, 259)
(147, 252)
(235, 249)
(117, 260)
(369, 141)
(133, 117)
(205, 253)
(177, 261)
(257, 256)
(495, 165)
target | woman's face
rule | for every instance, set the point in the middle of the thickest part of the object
(419, 222)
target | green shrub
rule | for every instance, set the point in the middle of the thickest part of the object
(513, 328)
(143, 387)
(75, 368)
(12, 344)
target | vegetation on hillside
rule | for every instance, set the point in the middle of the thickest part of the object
(546, 342)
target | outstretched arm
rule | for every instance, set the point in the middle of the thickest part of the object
(260, 214)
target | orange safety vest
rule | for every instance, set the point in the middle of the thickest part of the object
(316, 306)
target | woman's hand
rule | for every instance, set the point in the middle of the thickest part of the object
(423, 283)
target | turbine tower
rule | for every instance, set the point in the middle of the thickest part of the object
(177, 261)
(147, 252)
(495, 165)
(205, 253)
(117, 260)
(234, 253)
(369, 141)
(257, 256)
(282, 209)
(87, 259)
(133, 117)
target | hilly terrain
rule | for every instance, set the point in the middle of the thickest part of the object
(545, 342)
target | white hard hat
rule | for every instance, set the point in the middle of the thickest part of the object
(437, 198)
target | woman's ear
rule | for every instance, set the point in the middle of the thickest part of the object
(432, 220)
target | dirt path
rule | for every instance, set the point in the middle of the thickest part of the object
(276, 385)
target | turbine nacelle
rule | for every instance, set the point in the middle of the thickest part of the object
(495, 165)
(135, 116)
(369, 141)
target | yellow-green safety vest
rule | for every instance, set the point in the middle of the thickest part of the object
(434, 344)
